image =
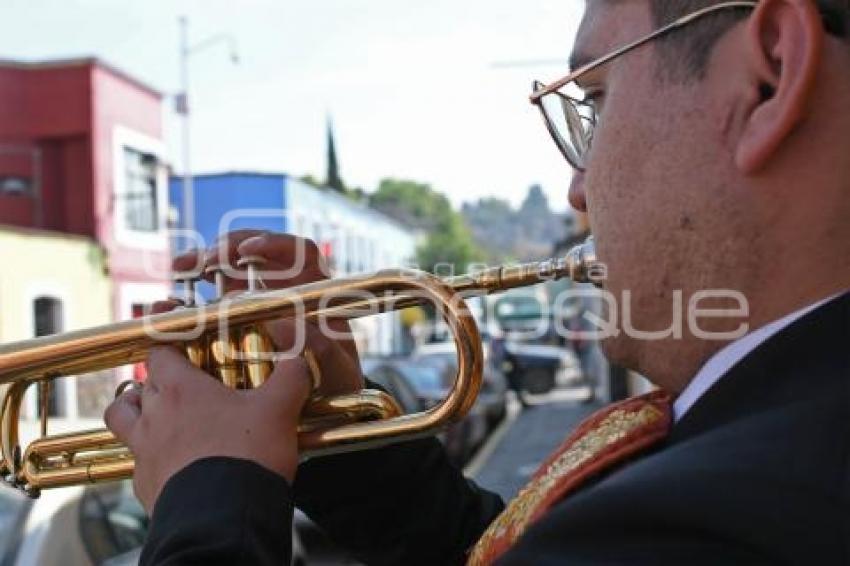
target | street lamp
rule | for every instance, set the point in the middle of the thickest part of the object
(182, 107)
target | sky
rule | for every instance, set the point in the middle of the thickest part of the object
(415, 88)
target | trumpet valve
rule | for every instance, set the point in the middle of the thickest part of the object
(188, 280)
(224, 360)
(252, 274)
(195, 350)
(198, 353)
(218, 280)
(256, 353)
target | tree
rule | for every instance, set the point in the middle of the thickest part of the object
(357, 194)
(535, 201)
(414, 204)
(311, 180)
(333, 179)
(450, 244)
(508, 234)
(494, 227)
(535, 216)
(448, 239)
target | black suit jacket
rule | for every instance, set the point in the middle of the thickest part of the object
(756, 472)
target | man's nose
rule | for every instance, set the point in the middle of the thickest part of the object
(577, 196)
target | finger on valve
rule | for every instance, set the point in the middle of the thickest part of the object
(290, 260)
(192, 261)
(224, 256)
(166, 366)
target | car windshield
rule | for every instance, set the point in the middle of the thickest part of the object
(440, 360)
(425, 378)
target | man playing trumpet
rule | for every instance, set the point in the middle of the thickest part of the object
(709, 142)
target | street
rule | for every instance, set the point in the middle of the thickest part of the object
(514, 452)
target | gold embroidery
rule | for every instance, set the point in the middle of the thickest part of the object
(513, 521)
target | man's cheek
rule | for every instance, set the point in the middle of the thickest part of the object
(600, 186)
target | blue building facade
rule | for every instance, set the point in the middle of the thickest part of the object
(352, 236)
(218, 197)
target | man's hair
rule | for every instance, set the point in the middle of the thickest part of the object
(685, 54)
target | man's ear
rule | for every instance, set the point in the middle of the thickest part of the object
(784, 40)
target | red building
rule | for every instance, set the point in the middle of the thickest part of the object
(81, 152)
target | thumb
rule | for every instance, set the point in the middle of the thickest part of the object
(288, 387)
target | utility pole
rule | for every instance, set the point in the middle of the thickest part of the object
(182, 107)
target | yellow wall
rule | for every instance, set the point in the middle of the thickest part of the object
(70, 268)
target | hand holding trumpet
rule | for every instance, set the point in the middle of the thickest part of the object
(197, 417)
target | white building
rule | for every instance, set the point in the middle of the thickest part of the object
(356, 238)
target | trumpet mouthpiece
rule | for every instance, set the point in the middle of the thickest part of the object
(582, 266)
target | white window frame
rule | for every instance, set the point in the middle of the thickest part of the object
(123, 137)
(66, 389)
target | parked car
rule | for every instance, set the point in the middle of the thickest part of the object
(419, 385)
(96, 525)
(75, 526)
(538, 368)
(493, 396)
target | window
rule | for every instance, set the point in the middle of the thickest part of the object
(141, 207)
(48, 316)
(373, 256)
(140, 195)
(13, 185)
(362, 254)
(47, 320)
(350, 252)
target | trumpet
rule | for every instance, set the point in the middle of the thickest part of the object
(228, 340)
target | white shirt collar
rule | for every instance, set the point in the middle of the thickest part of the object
(720, 363)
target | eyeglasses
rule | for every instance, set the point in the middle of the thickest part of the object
(571, 116)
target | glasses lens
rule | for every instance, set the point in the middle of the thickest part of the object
(571, 122)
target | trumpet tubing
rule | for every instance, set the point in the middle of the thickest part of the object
(227, 340)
